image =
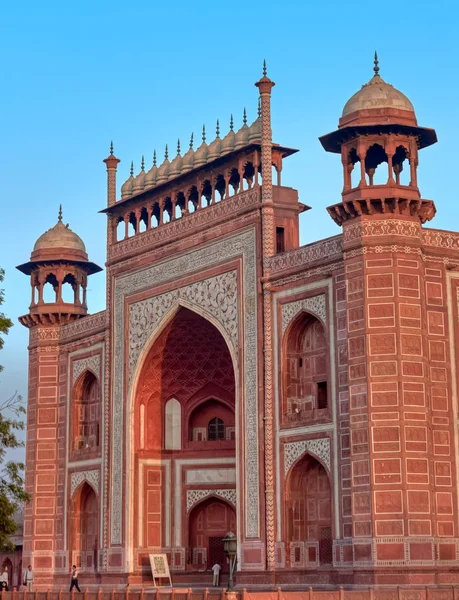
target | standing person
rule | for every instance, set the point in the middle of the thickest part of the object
(4, 579)
(74, 579)
(28, 578)
(216, 571)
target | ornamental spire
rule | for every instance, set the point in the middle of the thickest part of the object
(178, 146)
(218, 128)
(132, 168)
(244, 118)
(142, 164)
(203, 134)
(376, 62)
(111, 148)
(59, 216)
(264, 68)
(231, 123)
(191, 141)
(166, 154)
(154, 158)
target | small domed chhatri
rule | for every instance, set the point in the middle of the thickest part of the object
(377, 102)
(377, 94)
(59, 259)
(57, 238)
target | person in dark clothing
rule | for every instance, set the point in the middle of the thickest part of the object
(74, 579)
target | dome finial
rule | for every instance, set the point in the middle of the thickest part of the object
(264, 68)
(59, 216)
(217, 130)
(178, 146)
(132, 168)
(191, 141)
(244, 118)
(166, 154)
(142, 164)
(154, 158)
(203, 134)
(231, 123)
(111, 148)
(376, 61)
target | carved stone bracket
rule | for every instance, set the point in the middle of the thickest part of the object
(319, 448)
(92, 363)
(195, 496)
(315, 305)
(92, 477)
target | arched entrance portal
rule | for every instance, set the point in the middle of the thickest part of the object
(209, 522)
(84, 519)
(308, 511)
(184, 430)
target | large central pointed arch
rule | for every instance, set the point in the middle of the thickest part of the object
(166, 320)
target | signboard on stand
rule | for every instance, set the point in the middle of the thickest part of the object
(160, 568)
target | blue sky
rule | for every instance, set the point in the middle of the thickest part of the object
(76, 75)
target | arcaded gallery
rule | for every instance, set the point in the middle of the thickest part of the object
(302, 397)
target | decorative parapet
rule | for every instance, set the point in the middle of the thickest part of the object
(89, 324)
(306, 256)
(189, 223)
(446, 240)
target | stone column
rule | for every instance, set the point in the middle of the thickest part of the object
(265, 86)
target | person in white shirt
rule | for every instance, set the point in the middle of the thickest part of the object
(28, 579)
(4, 579)
(216, 571)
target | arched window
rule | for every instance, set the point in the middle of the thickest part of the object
(216, 429)
(306, 374)
(86, 412)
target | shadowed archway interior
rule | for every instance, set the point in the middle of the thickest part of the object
(84, 536)
(184, 423)
(308, 515)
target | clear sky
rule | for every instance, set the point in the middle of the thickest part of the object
(75, 75)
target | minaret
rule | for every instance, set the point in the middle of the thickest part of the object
(396, 324)
(59, 258)
(265, 86)
(112, 165)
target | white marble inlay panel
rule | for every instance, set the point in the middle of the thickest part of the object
(211, 476)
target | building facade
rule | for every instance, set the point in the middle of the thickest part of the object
(303, 397)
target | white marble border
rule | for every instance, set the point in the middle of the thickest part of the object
(242, 244)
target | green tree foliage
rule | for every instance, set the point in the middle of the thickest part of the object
(12, 494)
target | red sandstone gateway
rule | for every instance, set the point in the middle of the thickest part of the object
(303, 398)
